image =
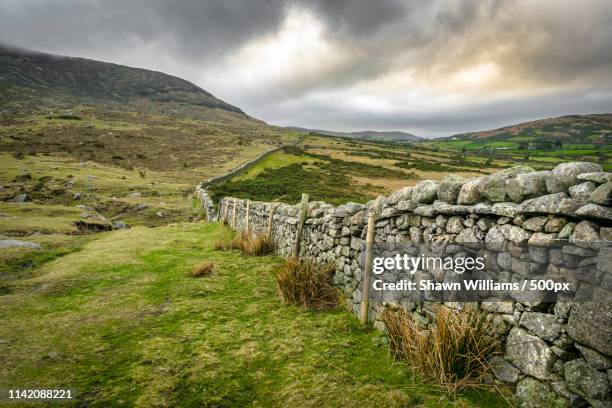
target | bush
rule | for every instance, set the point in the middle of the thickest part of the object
(306, 284)
(452, 353)
(249, 244)
(203, 269)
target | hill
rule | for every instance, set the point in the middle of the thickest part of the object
(30, 78)
(391, 135)
(122, 116)
(565, 138)
(594, 128)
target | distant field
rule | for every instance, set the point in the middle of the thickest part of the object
(539, 143)
(337, 170)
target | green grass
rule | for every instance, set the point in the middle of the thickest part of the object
(287, 174)
(120, 322)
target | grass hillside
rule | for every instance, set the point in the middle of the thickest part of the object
(337, 170)
(119, 321)
(566, 138)
(134, 119)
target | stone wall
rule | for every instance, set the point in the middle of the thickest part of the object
(553, 224)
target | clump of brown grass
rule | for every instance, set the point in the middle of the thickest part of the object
(221, 245)
(453, 352)
(250, 244)
(306, 284)
(202, 269)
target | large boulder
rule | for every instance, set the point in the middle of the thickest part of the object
(565, 175)
(590, 323)
(586, 381)
(425, 192)
(469, 194)
(493, 187)
(529, 353)
(526, 185)
(450, 188)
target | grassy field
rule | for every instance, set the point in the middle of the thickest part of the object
(337, 170)
(118, 319)
(539, 143)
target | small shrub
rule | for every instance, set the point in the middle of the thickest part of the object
(306, 284)
(203, 269)
(221, 246)
(452, 353)
(249, 244)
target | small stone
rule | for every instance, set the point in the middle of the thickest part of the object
(540, 239)
(585, 235)
(526, 185)
(469, 194)
(582, 191)
(599, 177)
(454, 225)
(555, 224)
(514, 234)
(590, 323)
(547, 204)
(505, 209)
(529, 353)
(603, 194)
(504, 371)
(586, 381)
(595, 211)
(567, 230)
(20, 198)
(594, 358)
(531, 393)
(450, 187)
(119, 225)
(542, 325)
(13, 243)
(425, 192)
(535, 223)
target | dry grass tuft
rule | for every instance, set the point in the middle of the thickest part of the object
(249, 244)
(452, 353)
(203, 269)
(306, 284)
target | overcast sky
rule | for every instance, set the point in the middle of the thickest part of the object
(433, 68)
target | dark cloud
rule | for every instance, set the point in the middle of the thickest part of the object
(550, 56)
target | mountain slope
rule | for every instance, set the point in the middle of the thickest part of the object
(27, 77)
(129, 117)
(564, 128)
(390, 135)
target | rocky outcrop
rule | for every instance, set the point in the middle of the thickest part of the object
(527, 225)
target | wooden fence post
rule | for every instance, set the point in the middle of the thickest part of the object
(248, 217)
(270, 220)
(225, 207)
(234, 215)
(367, 268)
(300, 226)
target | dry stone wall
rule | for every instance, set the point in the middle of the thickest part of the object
(527, 224)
